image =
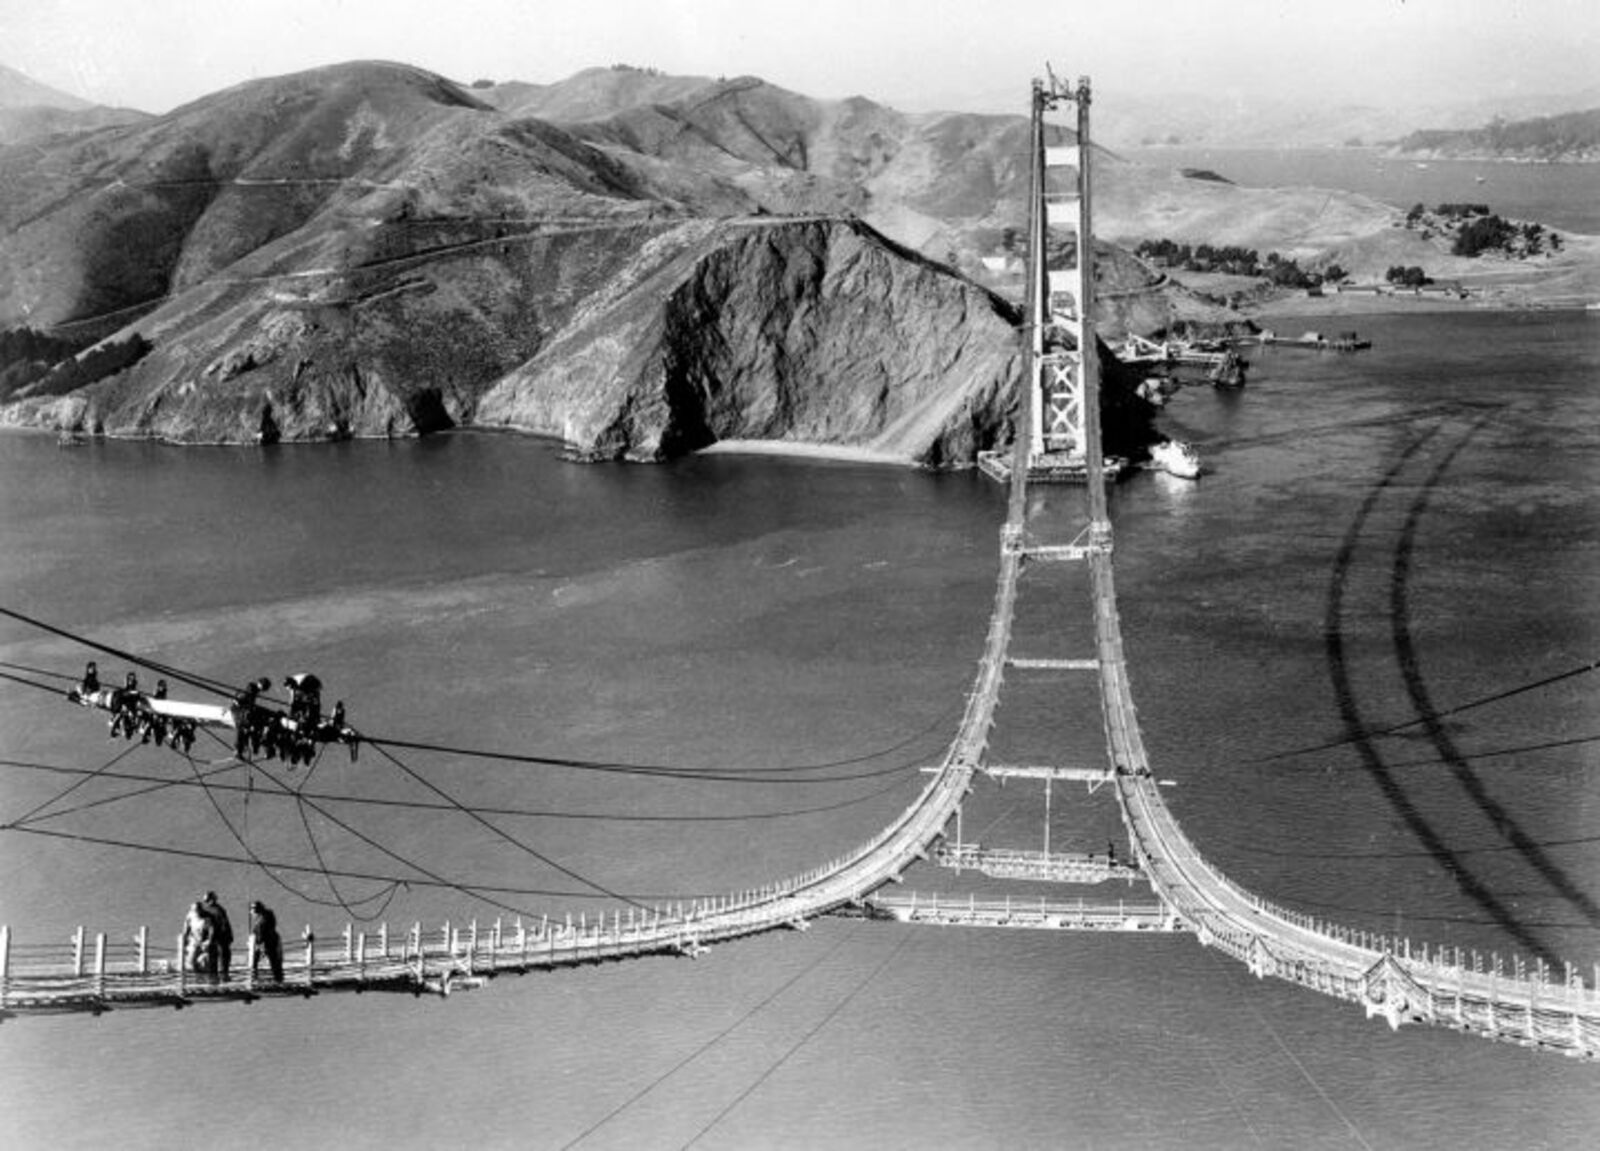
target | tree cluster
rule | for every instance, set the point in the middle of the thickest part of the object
(26, 355)
(1407, 277)
(1477, 230)
(61, 372)
(1484, 234)
(1235, 261)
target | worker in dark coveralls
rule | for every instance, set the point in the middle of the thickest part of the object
(264, 926)
(221, 930)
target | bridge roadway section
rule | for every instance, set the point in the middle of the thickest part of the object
(1388, 977)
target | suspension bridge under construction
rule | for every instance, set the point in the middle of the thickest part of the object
(1391, 979)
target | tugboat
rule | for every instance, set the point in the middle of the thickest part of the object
(1176, 458)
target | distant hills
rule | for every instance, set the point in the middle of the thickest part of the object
(1232, 117)
(29, 109)
(1571, 136)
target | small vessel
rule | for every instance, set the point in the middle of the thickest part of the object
(1176, 458)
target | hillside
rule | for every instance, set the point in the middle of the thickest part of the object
(1571, 136)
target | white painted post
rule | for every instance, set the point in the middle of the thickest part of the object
(311, 954)
(100, 963)
(143, 939)
(77, 952)
(250, 950)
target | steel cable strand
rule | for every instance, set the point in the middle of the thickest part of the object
(507, 836)
(70, 788)
(231, 764)
(205, 683)
(464, 889)
(255, 859)
(156, 784)
(710, 1043)
(348, 906)
(731, 775)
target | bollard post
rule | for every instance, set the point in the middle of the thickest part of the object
(183, 967)
(250, 949)
(142, 937)
(361, 956)
(472, 945)
(100, 963)
(311, 954)
(349, 942)
(77, 952)
(416, 937)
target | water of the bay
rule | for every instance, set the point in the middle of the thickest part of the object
(1565, 197)
(1382, 538)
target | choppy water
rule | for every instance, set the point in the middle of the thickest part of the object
(1382, 535)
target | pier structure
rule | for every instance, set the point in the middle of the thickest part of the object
(1394, 979)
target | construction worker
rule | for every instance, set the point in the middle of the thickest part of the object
(264, 928)
(222, 932)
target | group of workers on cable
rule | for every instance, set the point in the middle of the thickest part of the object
(292, 738)
(258, 729)
(131, 714)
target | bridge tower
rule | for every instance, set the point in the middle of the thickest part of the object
(1063, 365)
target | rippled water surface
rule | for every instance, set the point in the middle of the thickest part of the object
(1335, 637)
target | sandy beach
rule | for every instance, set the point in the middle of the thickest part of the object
(840, 452)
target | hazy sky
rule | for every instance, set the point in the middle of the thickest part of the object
(916, 54)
